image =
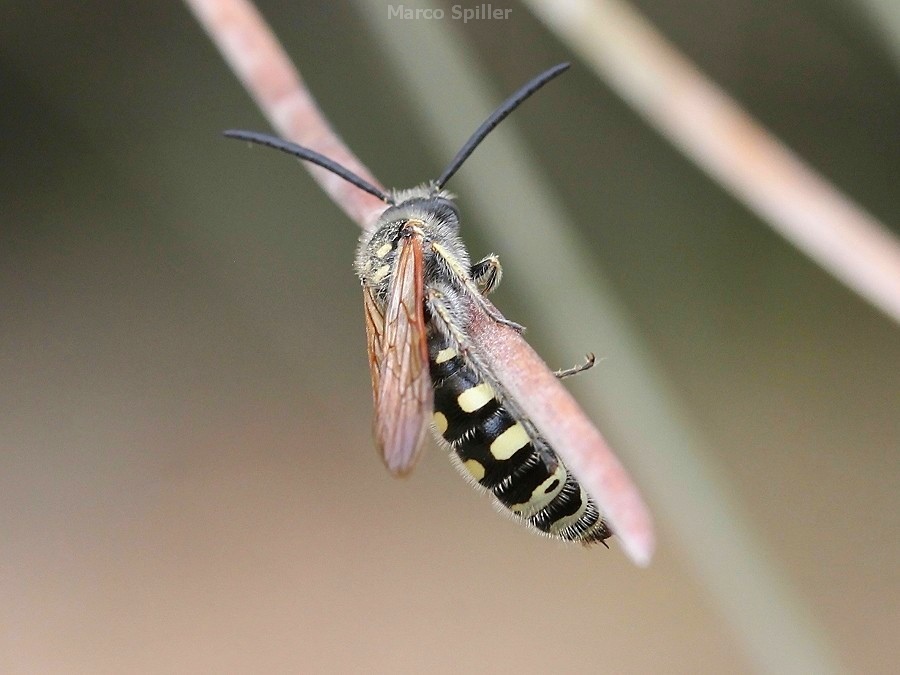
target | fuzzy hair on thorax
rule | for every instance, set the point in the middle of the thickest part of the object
(434, 213)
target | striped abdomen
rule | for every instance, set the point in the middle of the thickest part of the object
(494, 448)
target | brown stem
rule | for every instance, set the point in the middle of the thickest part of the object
(733, 148)
(260, 63)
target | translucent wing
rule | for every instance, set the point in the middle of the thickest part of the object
(398, 359)
(374, 336)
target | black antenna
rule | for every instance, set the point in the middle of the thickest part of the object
(495, 118)
(309, 156)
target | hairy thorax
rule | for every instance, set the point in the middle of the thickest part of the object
(430, 213)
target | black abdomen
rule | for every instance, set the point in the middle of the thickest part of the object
(495, 449)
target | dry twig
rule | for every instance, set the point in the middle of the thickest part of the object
(713, 130)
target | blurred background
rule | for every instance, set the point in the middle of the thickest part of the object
(187, 478)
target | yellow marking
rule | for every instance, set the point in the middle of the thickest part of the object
(381, 273)
(445, 355)
(568, 521)
(509, 442)
(541, 497)
(476, 397)
(474, 468)
(452, 262)
(384, 250)
(440, 422)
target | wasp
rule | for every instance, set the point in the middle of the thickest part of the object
(417, 281)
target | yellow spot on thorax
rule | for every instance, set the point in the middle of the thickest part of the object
(475, 398)
(509, 442)
(381, 273)
(384, 250)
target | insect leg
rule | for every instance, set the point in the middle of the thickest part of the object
(589, 362)
(466, 284)
(487, 273)
(440, 305)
